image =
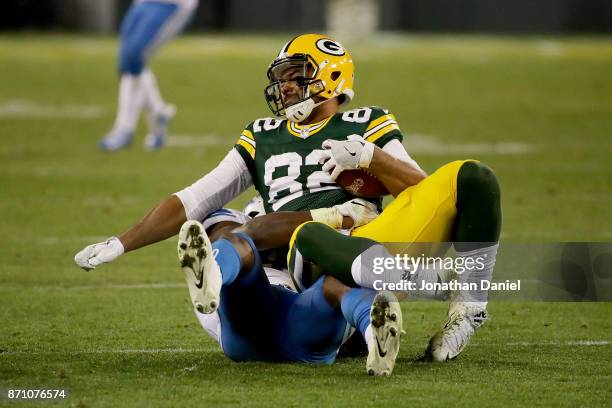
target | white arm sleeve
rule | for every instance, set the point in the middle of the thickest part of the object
(396, 149)
(225, 182)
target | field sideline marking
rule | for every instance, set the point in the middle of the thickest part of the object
(586, 343)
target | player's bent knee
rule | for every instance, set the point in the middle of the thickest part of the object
(303, 272)
(449, 172)
(229, 236)
(477, 176)
(131, 59)
(305, 233)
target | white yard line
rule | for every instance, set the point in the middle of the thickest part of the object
(99, 287)
(190, 140)
(25, 109)
(580, 343)
(110, 351)
(550, 48)
(571, 343)
(431, 145)
(52, 240)
(128, 286)
(414, 143)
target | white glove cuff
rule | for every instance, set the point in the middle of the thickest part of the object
(117, 245)
(328, 216)
(366, 155)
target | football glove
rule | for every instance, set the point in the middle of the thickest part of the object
(340, 155)
(358, 209)
(96, 254)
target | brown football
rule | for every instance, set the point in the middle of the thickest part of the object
(360, 183)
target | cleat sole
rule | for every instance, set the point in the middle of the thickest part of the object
(386, 330)
(201, 272)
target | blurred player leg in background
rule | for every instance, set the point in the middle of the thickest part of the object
(146, 26)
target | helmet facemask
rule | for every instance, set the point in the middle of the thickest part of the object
(298, 68)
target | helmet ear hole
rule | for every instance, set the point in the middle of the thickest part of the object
(335, 75)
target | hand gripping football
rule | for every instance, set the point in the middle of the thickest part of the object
(361, 183)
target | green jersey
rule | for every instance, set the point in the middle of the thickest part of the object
(283, 157)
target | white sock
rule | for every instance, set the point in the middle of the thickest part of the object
(131, 100)
(485, 261)
(365, 272)
(368, 335)
(153, 99)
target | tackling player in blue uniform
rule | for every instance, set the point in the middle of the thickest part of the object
(147, 25)
(261, 317)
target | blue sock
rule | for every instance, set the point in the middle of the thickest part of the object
(356, 308)
(228, 260)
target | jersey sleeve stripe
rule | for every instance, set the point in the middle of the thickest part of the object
(380, 133)
(247, 140)
(248, 134)
(248, 147)
(374, 130)
(380, 120)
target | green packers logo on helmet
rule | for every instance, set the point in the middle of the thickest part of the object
(330, 47)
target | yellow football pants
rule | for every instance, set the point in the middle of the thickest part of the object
(421, 213)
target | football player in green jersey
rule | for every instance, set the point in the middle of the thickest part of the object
(310, 80)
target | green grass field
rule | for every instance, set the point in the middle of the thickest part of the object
(537, 110)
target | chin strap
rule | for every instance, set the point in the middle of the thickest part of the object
(301, 111)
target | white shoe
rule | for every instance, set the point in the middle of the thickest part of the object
(158, 127)
(201, 270)
(386, 330)
(116, 140)
(463, 320)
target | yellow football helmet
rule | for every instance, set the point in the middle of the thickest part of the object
(325, 70)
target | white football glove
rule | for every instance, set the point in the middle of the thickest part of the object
(340, 155)
(96, 254)
(360, 210)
